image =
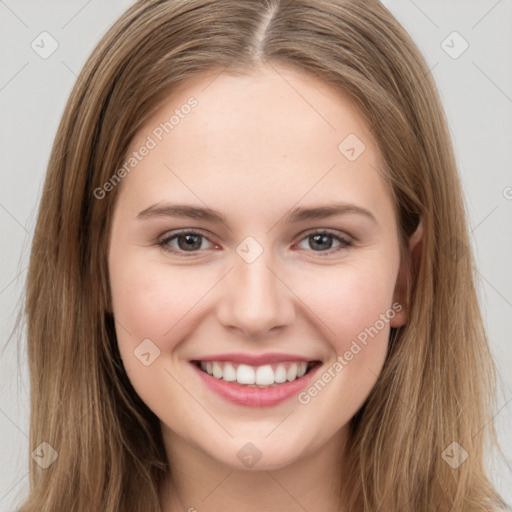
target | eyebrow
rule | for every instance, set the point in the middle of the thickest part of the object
(298, 214)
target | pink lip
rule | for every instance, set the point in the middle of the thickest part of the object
(255, 397)
(253, 360)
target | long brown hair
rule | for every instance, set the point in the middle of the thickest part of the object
(437, 384)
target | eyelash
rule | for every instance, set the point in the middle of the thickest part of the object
(164, 242)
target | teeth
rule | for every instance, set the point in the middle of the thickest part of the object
(245, 374)
(280, 374)
(266, 375)
(217, 370)
(291, 374)
(301, 370)
(229, 373)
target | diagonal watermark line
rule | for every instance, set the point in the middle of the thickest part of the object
(192, 307)
(286, 491)
(3, 3)
(302, 96)
(169, 168)
(14, 76)
(69, 68)
(13, 218)
(122, 326)
(429, 72)
(300, 299)
(11, 488)
(217, 486)
(495, 289)
(199, 403)
(492, 81)
(13, 279)
(488, 215)
(424, 13)
(79, 421)
(281, 422)
(305, 193)
(494, 416)
(76, 14)
(14, 423)
(485, 15)
(213, 79)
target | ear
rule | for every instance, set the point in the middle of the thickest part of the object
(406, 276)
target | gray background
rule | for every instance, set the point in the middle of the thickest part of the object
(476, 89)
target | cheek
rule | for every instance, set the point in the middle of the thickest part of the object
(356, 308)
(353, 300)
(342, 303)
(153, 302)
(159, 302)
(151, 299)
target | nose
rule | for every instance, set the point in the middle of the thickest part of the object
(255, 298)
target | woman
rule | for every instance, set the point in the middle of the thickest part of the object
(258, 371)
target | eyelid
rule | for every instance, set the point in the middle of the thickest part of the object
(334, 232)
(345, 239)
(164, 239)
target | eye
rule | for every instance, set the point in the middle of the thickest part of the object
(322, 239)
(187, 242)
(183, 242)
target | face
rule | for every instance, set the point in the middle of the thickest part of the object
(254, 238)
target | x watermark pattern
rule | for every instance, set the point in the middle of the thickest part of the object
(454, 455)
(45, 45)
(454, 46)
(351, 147)
(45, 455)
(146, 352)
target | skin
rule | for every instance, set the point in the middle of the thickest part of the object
(255, 147)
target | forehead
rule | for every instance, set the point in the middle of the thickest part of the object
(270, 100)
(274, 134)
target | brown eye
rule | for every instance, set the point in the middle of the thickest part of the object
(186, 242)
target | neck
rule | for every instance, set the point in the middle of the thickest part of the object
(199, 483)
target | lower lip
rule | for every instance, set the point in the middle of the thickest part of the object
(256, 397)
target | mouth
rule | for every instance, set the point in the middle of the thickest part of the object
(269, 375)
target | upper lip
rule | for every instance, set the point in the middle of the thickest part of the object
(254, 359)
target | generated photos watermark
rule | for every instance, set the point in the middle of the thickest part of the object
(151, 142)
(355, 348)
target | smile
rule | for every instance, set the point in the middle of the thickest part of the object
(268, 381)
(268, 375)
